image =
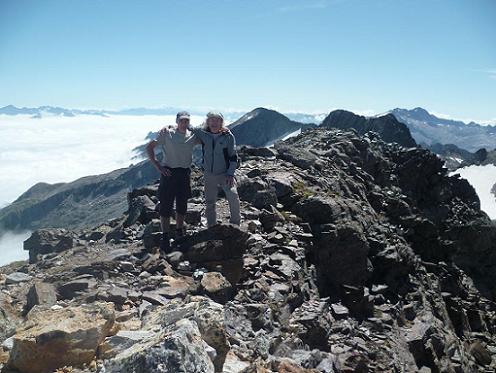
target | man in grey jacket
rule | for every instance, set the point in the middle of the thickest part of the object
(219, 165)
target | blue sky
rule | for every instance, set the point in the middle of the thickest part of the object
(307, 55)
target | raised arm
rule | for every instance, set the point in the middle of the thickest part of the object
(200, 133)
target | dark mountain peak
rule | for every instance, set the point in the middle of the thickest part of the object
(417, 113)
(388, 117)
(263, 127)
(420, 110)
(387, 126)
(260, 113)
(264, 110)
(342, 115)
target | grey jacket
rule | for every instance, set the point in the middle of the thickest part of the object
(219, 153)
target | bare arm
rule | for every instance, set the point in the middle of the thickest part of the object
(150, 151)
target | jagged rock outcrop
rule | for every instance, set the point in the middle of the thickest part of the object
(369, 259)
(387, 126)
(45, 241)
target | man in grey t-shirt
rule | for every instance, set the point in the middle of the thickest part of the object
(177, 147)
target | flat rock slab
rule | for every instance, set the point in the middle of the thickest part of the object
(17, 278)
(123, 340)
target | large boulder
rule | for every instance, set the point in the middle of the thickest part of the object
(341, 256)
(220, 247)
(257, 192)
(142, 209)
(53, 338)
(210, 319)
(45, 241)
(217, 287)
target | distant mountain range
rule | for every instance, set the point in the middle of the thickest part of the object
(230, 115)
(48, 110)
(455, 141)
(428, 129)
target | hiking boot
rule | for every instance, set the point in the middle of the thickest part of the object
(165, 246)
(180, 233)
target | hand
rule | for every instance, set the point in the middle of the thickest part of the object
(163, 131)
(230, 181)
(225, 130)
(163, 170)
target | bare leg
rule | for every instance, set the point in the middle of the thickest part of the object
(179, 221)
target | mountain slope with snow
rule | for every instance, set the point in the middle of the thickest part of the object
(429, 129)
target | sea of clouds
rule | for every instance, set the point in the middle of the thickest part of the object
(482, 178)
(60, 149)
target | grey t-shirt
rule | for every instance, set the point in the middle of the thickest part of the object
(177, 148)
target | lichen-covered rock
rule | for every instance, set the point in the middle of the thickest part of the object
(179, 348)
(9, 317)
(62, 337)
(217, 287)
(210, 319)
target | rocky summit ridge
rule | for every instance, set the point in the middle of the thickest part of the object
(354, 255)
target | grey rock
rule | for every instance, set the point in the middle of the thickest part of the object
(17, 278)
(73, 288)
(154, 298)
(123, 340)
(41, 293)
(45, 241)
(117, 294)
(142, 209)
(180, 349)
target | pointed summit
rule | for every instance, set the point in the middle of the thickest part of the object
(262, 127)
